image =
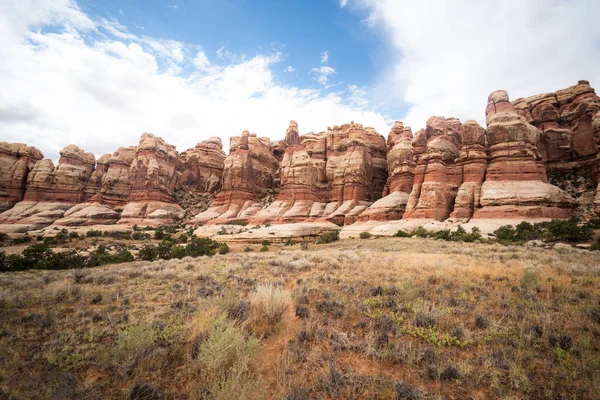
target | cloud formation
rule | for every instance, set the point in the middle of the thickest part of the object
(448, 56)
(91, 82)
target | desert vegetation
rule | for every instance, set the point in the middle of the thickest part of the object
(389, 318)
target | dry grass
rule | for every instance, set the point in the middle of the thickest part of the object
(378, 318)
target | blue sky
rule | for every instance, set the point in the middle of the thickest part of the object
(302, 30)
(98, 73)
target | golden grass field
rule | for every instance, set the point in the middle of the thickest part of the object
(380, 318)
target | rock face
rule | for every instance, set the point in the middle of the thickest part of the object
(437, 177)
(65, 183)
(537, 157)
(472, 160)
(248, 174)
(401, 170)
(332, 176)
(516, 184)
(568, 139)
(16, 161)
(203, 166)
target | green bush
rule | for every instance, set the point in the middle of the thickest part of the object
(402, 234)
(165, 248)
(529, 279)
(240, 223)
(247, 249)
(201, 247)
(178, 252)
(265, 242)
(4, 237)
(328, 237)
(148, 253)
(421, 232)
(22, 239)
(264, 248)
(223, 248)
(365, 235)
(569, 231)
(137, 235)
(289, 242)
(93, 233)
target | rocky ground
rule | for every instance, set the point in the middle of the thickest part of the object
(404, 318)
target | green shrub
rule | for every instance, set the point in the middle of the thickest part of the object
(201, 247)
(224, 363)
(421, 232)
(596, 245)
(137, 235)
(240, 223)
(22, 239)
(148, 253)
(247, 249)
(568, 231)
(264, 248)
(223, 248)
(178, 252)
(93, 233)
(165, 248)
(134, 340)
(328, 237)
(444, 234)
(529, 279)
(289, 242)
(365, 235)
(4, 237)
(402, 234)
(265, 242)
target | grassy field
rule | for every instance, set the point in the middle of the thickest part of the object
(394, 318)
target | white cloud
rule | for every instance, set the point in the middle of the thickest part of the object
(201, 61)
(289, 69)
(96, 85)
(325, 56)
(120, 11)
(451, 55)
(174, 7)
(323, 74)
(343, 3)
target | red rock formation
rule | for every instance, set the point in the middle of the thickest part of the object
(66, 182)
(473, 161)
(203, 167)
(115, 188)
(401, 170)
(248, 174)
(16, 161)
(437, 177)
(516, 183)
(333, 175)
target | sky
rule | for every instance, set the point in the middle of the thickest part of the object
(98, 73)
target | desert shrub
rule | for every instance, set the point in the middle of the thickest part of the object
(148, 253)
(529, 279)
(526, 231)
(22, 239)
(178, 252)
(269, 303)
(568, 231)
(247, 249)
(289, 242)
(73, 235)
(4, 237)
(93, 233)
(444, 234)
(505, 233)
(137, 235)
(201, 247)
(402, 234)
(304, 245)
(365, 235)
(421, 232)
(265, 243)
(596, 245)
(593, 223)
(165, 248)
(239, 223)
(328, 237)
(183, 238)
(118, 235)
(134, 339)
(224, 362)
(264, 248)
(159, 234)
(223, 248)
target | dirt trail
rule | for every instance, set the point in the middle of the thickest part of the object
(274, 348)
